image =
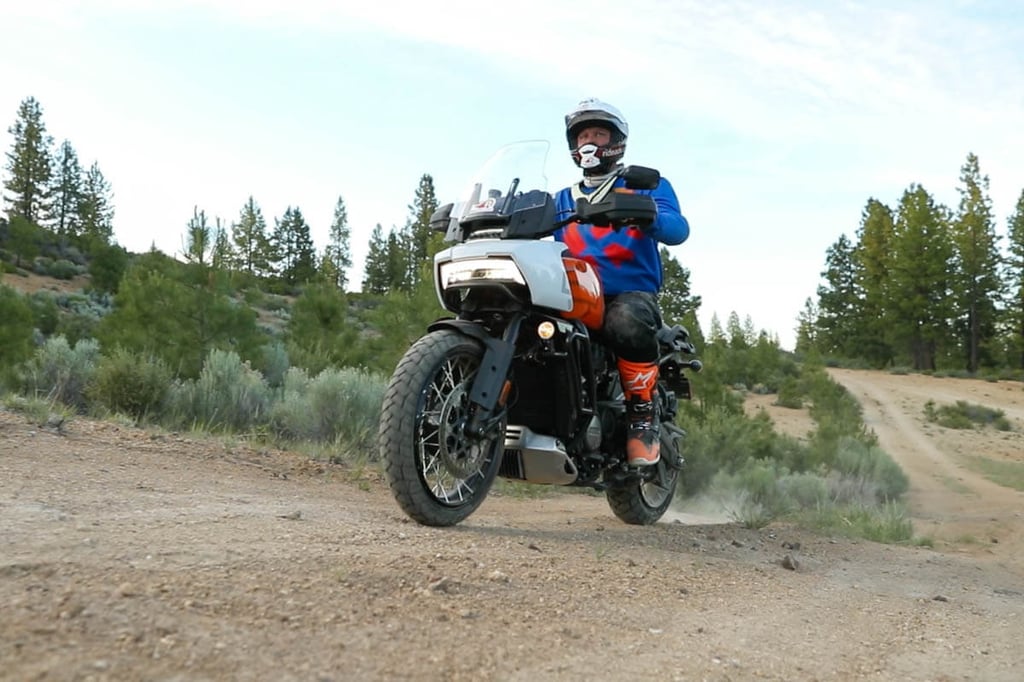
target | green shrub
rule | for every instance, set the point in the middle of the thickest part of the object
(964, 415)
(721, 441)
(254, 296)
(888, 523)
(63, 269)
(837, 415)
(790, 394)
(276, 303)
(228, 395)
(41, 265)
(873, 466)
(75, 327)
(130, 383)
(107, 267)
(804, 490)
(15, 332)
(846, 491)
(337, 406)
(275, 363)
(60, 372)
(752, 495)
(43, 413)
(45, 313)
(73, 254)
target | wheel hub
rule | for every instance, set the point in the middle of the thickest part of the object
(459, 455)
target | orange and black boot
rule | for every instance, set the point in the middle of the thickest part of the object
(643, 430)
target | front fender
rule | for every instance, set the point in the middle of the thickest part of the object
(495, 364)
(473, 330)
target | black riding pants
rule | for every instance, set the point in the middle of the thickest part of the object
(631, 323)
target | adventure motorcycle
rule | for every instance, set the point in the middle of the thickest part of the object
(517, 384)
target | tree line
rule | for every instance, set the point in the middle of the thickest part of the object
(923, 285)
(265, 293)
(47, 188)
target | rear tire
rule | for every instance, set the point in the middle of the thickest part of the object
(437, 474)
(642, 502)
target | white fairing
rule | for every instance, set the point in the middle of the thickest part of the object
(539, 261)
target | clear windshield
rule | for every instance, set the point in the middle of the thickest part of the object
(504, 184)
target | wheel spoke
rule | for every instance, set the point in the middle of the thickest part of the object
(441, 443)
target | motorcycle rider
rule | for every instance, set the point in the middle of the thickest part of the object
(628, 263)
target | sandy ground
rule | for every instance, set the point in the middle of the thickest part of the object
(130, 555)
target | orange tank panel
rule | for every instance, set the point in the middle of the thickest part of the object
(587, 294)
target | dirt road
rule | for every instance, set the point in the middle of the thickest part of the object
(949, 499)
(126, 555)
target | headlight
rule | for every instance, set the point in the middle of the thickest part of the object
(454, 273)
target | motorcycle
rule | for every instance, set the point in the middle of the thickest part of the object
(517, 383)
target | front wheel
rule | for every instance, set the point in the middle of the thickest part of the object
(641, 502)
(438, 474)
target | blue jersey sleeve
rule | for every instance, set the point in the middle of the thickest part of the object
(671, 226)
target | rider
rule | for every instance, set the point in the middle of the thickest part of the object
(628, 263)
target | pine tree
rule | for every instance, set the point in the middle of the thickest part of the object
(678, 305)
(919, 289)
(737, 338)
(198, 238)
(29, 165)
(872, 263)
(96, 209)
(66, 192)
(399, 264)
(807, 328)
(750, 333)
(839, 301)
(716, 334)
(107, 267)
(178, 312)
(977, 261)
(400, 320)
(23, 239)
(421, 238)
(222, 256)
(319, 335)
(251, 241)
(338, 252)
(375, 271)
(1015, 281)
(294, 245)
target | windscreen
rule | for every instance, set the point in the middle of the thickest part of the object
(506, 182)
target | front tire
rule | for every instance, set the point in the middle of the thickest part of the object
(437, 474)
(641, 502)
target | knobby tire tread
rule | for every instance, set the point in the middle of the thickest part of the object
(397, 435)
(628, 504)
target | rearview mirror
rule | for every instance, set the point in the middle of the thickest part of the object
(641, 177)
(440, 218)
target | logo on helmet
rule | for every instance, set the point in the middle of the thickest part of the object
(589, 157)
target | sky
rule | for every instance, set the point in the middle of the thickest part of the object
(775, 120)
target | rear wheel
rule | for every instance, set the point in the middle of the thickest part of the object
(642, 501)
(438, 474)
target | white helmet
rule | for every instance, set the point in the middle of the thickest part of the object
(594, 159)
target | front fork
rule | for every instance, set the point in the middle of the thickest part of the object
(491, 385)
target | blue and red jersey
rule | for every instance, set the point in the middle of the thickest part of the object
(626, 259)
